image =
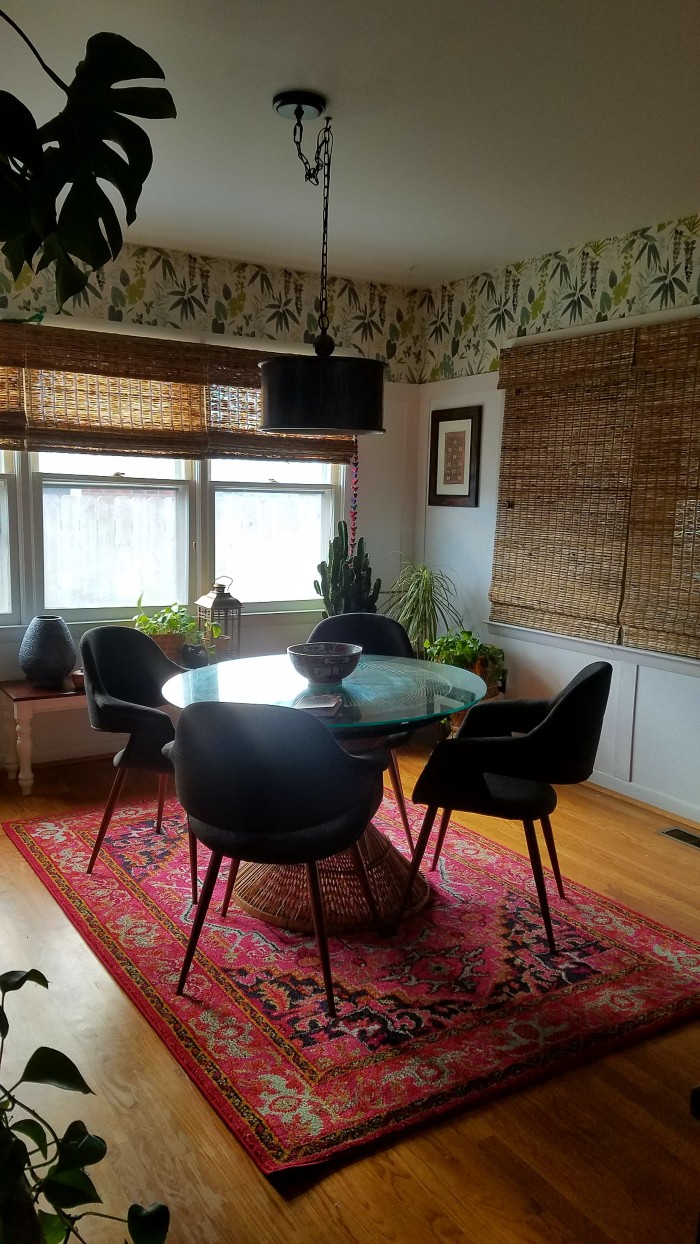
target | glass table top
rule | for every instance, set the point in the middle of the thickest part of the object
(381, 692)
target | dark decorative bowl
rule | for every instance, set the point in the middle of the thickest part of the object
(324, 664)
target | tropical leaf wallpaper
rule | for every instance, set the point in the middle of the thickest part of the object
(455, 330)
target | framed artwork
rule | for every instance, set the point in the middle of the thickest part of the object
(455, 450)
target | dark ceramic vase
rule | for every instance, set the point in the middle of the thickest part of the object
(47, 652)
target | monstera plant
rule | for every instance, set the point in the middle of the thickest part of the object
(53, 208)
(46, 1194)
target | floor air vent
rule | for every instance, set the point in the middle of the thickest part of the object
(690, 837)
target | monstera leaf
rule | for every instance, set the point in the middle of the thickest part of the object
(70, 157)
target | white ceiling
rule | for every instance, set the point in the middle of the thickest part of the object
(468, 133)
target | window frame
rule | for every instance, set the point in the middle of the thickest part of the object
(333, 506)
(9, 479)
(183, 486)
(25, 482)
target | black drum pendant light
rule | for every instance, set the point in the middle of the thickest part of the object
(319, 393)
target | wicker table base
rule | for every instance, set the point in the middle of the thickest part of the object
(278, 894)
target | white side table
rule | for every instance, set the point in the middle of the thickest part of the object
(20, 701)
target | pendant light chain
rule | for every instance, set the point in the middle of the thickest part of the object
(312, 172)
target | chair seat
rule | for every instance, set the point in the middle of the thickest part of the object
(271, 842)
(515, 799)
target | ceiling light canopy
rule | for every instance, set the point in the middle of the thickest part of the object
(316, 394)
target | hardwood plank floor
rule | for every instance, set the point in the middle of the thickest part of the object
(604, 1153)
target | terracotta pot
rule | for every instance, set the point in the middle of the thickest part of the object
(171, 645)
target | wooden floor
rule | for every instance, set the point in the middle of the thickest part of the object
(605, 1153)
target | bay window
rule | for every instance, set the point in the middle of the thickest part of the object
(135, 467)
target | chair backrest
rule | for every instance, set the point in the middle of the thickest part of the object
(566, 742)
(378, 635)
(124, 664)
(277, 768)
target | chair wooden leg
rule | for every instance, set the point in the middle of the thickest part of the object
(119, 779)
(397, 787)
(320, 929)
(193, 860)
(553, 858)
(162, 788)
(442, 830)
(202, 908)
(363, 878)
(232, 874)
(426, 827)
(538, 874)
(162, 791)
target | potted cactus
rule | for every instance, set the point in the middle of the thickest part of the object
(345, 583)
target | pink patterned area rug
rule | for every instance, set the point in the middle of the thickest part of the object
(463, 1003)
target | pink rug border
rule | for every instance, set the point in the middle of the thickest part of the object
(684, 1012)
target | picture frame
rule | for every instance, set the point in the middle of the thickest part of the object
(455, 453)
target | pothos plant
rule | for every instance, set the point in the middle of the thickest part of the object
(43, 1175)
(53, 208)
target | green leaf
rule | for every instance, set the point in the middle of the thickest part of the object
(86, 216)
(19, 136)
(47, 1066)
(66, 1189)
(10, 981)
(148, 1225)
(13, 1158)
(153, 102)
(4, 1023)
(112, 58)
(53, 1227)
(36, 1133)
(78, 1147)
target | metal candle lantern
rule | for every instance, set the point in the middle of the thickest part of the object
(219, 609)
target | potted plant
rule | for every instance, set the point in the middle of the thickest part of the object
(465, 650)
(422, 599)
(45, 1190)
(176, 632)
(345, 582)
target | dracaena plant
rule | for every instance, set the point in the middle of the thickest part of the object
(44, 1184)
(53, 208)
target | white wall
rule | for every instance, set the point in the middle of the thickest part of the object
(649, 747)
(386, 517)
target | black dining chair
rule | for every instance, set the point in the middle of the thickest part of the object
(381, 637)
(503, 762)
(124, 672)
(270, 785)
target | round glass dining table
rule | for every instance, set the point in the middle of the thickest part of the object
(383, 696)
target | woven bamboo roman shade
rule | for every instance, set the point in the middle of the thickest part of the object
(598, 525)
(87, 391)
(661, 603)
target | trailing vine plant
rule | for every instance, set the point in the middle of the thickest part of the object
(53, 209)
(43, 1176)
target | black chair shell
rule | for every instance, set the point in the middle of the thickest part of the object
(491, 770)
(268, 784)
(124, 674)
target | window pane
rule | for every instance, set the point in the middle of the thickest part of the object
(5, 595)
(262, 471)
(105, 464)
(270, 542)
(105, 546)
